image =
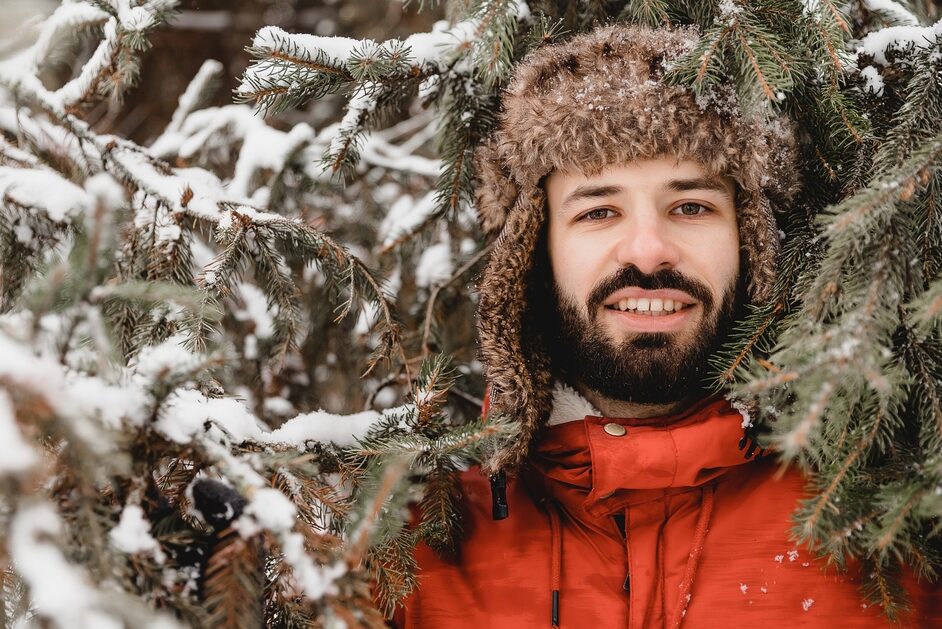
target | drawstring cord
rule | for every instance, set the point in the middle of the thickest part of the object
(703, 523)
(556, 536)
(499, 508)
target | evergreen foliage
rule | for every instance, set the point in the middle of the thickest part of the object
(172, 312)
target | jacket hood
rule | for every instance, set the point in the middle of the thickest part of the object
(594, 101)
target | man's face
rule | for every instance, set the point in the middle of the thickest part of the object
(645, 263)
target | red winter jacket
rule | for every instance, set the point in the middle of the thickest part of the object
(666, 525)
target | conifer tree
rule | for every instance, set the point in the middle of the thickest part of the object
(174, 314)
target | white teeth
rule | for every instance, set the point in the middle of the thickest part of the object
(653, 307)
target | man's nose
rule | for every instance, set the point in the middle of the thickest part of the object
(647, 243)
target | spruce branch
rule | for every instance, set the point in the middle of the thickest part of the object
(383, 490)
(313, 246)
(233, 586)
(493, 48)
(823, 500)
(926, 309)
(283, 295)
(882, 586)
(393, 568)
(436, 291)
(754, 341)
(651, 13)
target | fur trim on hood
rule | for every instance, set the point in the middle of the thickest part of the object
(591, 102)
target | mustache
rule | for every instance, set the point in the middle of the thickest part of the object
(665, 278)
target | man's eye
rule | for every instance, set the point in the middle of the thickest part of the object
(597, 214)
(692, 209)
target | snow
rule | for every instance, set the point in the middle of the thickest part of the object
(170, 357)
(361, 103)
(86, 401)
(44, 190)
(188, 412)
(279, 406)
(137, 18)
(728, 9)
(324, 427)
(424, 48)
(189, 99)
(378, 152)
(898, 37)
(225, 222)
(132, 534)
(743, 410)
(405, 215)
(23, 232)
(16, 455)
(274, 38)
(873, 80)
(198, 127)
(435, 265)
(433, 48)
(271, 509)
(256, 310)
(807, 603)
(316, 581)
(58, 590)
(111, 404)
(250, 347)
(266, 148)
(104, 189)
(67, 17)
(743, 588)
(78, 88)
(894, 10)
(207, 189)
(48, 137)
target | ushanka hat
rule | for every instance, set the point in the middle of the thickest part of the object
(595, 101)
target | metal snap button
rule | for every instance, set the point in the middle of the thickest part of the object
(615, 430)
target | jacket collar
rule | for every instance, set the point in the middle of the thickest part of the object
(583, 465)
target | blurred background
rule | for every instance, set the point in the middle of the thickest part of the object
(221, 30)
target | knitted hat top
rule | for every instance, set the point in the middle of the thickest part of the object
(591, 102)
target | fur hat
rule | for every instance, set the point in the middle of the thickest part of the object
(594, 101)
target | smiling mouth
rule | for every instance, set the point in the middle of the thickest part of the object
(649, 307)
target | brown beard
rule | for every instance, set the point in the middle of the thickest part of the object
(647, 368)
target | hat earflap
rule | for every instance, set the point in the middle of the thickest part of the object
(519, 376)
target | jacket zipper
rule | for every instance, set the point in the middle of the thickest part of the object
(620, 523)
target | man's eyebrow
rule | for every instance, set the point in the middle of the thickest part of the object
(698, 183)
(590, 192)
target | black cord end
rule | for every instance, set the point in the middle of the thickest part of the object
(499, 507)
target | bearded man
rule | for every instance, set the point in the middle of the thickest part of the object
(634, 223)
